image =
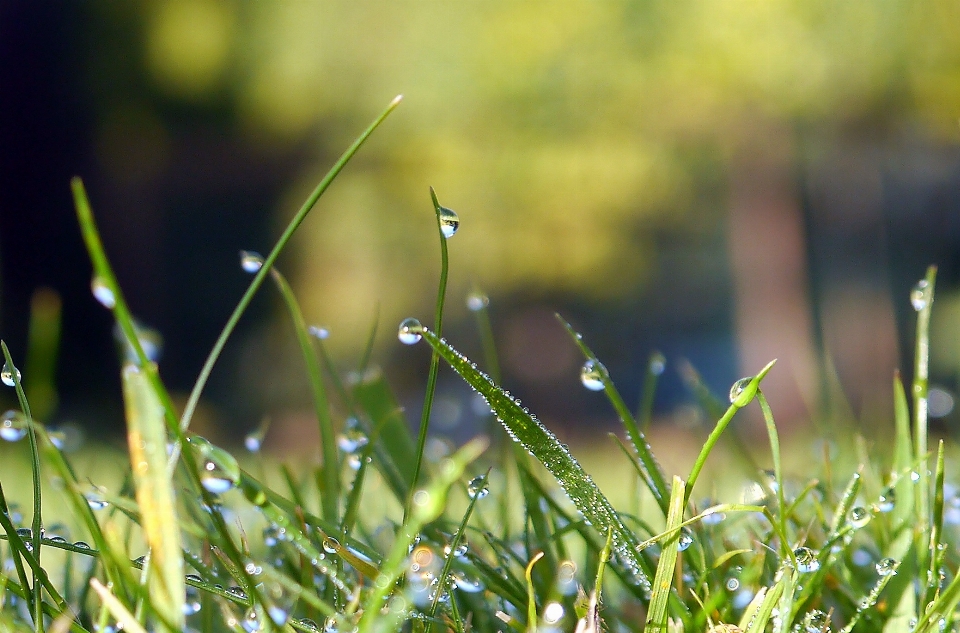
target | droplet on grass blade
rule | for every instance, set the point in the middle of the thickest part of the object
(685, 540)
(806, 560)
(920, 295)
(6, 375)
(886, 566)
(887, 500)
(410, 331)
(449, 221)
(477, 301)
(592, 375)
(220, 471)
(251, 261)
(741, 393)
(102, 293)
(478, 488)
(859, 516)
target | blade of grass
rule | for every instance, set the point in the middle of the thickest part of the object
(35, 475)
(434, 357)
(934, 550)
(655, 366)
(903, 457)
(653, 474)
(741, 400)
(921, 378)
(331, 463)
(663, 581)
(531, 594)
(116, 608)
(777, 469)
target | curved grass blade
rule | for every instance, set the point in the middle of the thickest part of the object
(331, 463)
(531, 594)
(434, 358)
(653, 474)
(663, 581)
(147, 437)
(269, 260)
(525, 429)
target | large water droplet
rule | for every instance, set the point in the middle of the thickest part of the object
(351, 440)
(410, 331)
(741, 394)
(920, 295)
(592, 374)
(685, 540)
(886, 566)
(95, 500)
(331, 545)
(13, 426)
(318, 332)
(251, 261)
(220, 471)
(449, 221)
(477, 301)
(478, 488)
(6, 375)
(806, 560)
(887, 500)
(102, 293)
(859, 517)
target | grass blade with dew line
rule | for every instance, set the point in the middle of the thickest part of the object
(663, 581)
(921, 297)
(452, 553)
(428, 505)
(43, 341)
(903, 457)
(525, 429)
(147, 437)
(777, 467)
(11, 372)
(298, 218)
(653, 473)
(742, 393)
(331, 462)
(434, 357)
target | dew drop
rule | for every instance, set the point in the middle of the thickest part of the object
(13, 426)
(24, 533)
(658, 363)
(308, 624)
(806, 560)
(477, 301)
(250, 261)
(81, 545)
(449, 221)
(685, 540)
(318, 332)
(351, 440)
(886, 501)
(920, 295)
(732, 584)
(237, 592)
(886, 566)
(102, 293)
(859, 517)
(220, 471)
(252, 442)
(741, 394)
(478, 487)
(552, 613)
(466, 585)
(96, 501)
(592, 375)
(6, 375)
(410, 331)
(331, 545)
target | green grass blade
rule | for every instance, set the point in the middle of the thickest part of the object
(777, 468)
(147, 437)
(934, 551)
(922, 299)
(393, 445)
(903, 457)
(544, 445)
(663, 581)
(653, 474)
(655, 366)
(531, 594)
(116, 608)
(434, 358)
(758, 623)
(742, 399)
(269, 260)
(331, 463)
(35, 474)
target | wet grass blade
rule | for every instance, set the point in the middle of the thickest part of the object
(147, 437)
(331, 464)
(922, 300)
(544, 445)
(903, 457)
(663, 581)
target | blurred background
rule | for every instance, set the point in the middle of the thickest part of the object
(724, 182)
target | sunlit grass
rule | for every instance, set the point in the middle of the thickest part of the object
(510, 531)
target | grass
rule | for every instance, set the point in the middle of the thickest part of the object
(508, 532)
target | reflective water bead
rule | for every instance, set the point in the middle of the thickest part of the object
(24, 533)
(96, 501)
(806, 560)
(220, 471)
(410, 331)
(81, 545)
(466, 585)
(859, 517)
(919, 296)
(658, 363)
(886, 566)
(887, 500)
(102, 293)
(477, 301)
(13, 426)
(250, 261)
(351, 440)
(331, 545)
(478, 488)
(6, 375)
(449, 221)
(742, 393)
(318, 332)
(592, 375)
(237, 592)
(252, 442)
(552, 613)
(685, 540)
(308, 624)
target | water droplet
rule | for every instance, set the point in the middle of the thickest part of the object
(478, 488)
(449, 221)
(732, 584)
(6, 375)
(920, 295)
(251, 623)
(477, 301)
(886, 566)
(859, 517)
(886, 501)
(308, 624)
(318, 332)
(685, 540)
(552, 613)
(806, 560)
(592, 375)
(658, 363)
(410, 331)
(13, 426)
(81, 545)
(24, 533)
(351, 440)
(459, 551)
(102, 293)
(252, 442)
(815, 621)
(96, 501)
(331, 545)
(466, 585)
(237, 592)
(220, 471)
(741, 393)
(250, 261)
